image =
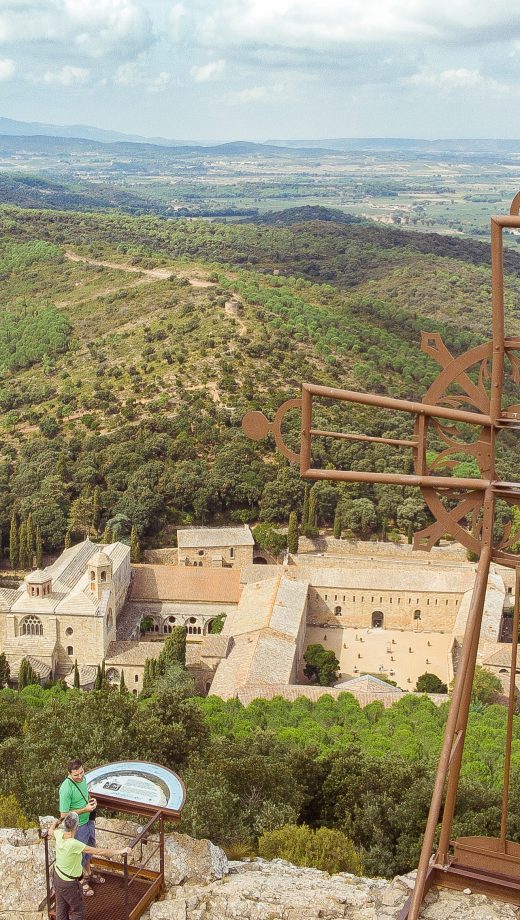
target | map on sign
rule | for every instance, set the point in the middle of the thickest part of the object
(138, 782)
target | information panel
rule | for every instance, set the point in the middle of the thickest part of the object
(140, 783)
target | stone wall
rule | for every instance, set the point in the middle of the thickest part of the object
(232, 556)
(448, 552)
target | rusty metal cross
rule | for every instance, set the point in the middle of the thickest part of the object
(464, 409)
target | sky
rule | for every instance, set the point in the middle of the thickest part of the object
(265, 69)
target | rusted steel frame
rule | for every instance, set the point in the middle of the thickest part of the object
(305, 442)
(361, 437)
(145, 830)
(456, 713)
(125, 882)
(153, 892)
(140, 869)
(497, 281)
(403, 913)
(398, 479)
(456, 760)
(161, 844)
(510, 713)
(398, 405)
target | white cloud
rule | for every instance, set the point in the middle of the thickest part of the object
(7, 68)
(160, 83)
(67, 76)
(460, 78)
(207, 72)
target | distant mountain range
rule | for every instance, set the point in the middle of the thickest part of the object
(14, 128)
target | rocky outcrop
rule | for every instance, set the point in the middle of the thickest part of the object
(202, 885)
(259, 890)
(22, 874)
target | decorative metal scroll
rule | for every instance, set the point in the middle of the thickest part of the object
(463, 410)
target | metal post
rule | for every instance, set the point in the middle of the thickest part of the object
(125, 877)
(47, 871)
(510, 713)
(466, 666)
(161, 846)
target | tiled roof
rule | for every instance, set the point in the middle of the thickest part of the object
(367, 683)
(501, 658)
(385, 578)
(42, 670)
(292, 692)
(215, 646)
(193, 537)
(171, 583)
(131, 653)
(87, 676)
(9, 595)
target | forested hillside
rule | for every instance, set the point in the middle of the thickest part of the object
(130, 349)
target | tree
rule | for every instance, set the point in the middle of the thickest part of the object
(39, 548)
(430, 683)
(108, 536)
(321, 664)
(174, 648)
(486, 686)
(98, 683)
(81, 516)
(5, 671)
(26, 675)
(305, 512)
(135, 549)
(76, 683)
(326, 849)
(217, 624)
(292, 533)
(266, 537)
(11, 814)
(313, 507)
(337, 524)
(96, 507)
(68, 540)
(14, 544)
(122, 684)
(23, 558)
(31, 539)
(359, 515)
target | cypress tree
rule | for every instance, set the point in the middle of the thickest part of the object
(122, 685)
(23, 554)
(5, 671)
(103, 676)
(108, 536)
(305, 513)
(31, 540)
(410, 532)
(135, 548)
(383, 529)
(337, 524)
(76, 675)
(292, 533)
(27, 675)
(1, 544)
(39, 548)
(96, 507)
(99, 680)
(313, 507)
(68, 541)
(14, 542)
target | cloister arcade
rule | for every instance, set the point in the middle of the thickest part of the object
(154, 624)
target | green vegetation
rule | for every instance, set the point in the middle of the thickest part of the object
(325, 849)
(367, 773)
(124, 413)
(430, 683)
(321, 664)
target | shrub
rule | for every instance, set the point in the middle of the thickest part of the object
(11, 815)
(326, 849)
(430, 683)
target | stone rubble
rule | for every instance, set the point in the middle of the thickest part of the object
(202, 885)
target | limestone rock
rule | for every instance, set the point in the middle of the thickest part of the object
(186, 859)
(22, 874)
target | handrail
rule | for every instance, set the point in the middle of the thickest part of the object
(135, 874)
(145, 829)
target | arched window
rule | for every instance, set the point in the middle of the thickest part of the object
(417, 614)
(103, 576)
(92, 575)
(70, 650)
(378, 619)
(337, 611)
(32, 626)
(113, 675)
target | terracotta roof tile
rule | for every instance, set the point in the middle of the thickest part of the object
(171, 583)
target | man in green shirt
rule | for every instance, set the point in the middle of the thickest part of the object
(74, 796)
(68, 869)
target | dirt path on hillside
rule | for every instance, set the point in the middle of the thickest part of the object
(150, 274)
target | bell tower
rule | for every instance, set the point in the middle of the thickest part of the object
(100, 574)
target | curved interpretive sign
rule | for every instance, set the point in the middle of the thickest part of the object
(147, 786)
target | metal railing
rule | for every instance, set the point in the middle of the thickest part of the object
(129, 873)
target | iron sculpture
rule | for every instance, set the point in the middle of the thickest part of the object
(464, 409)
